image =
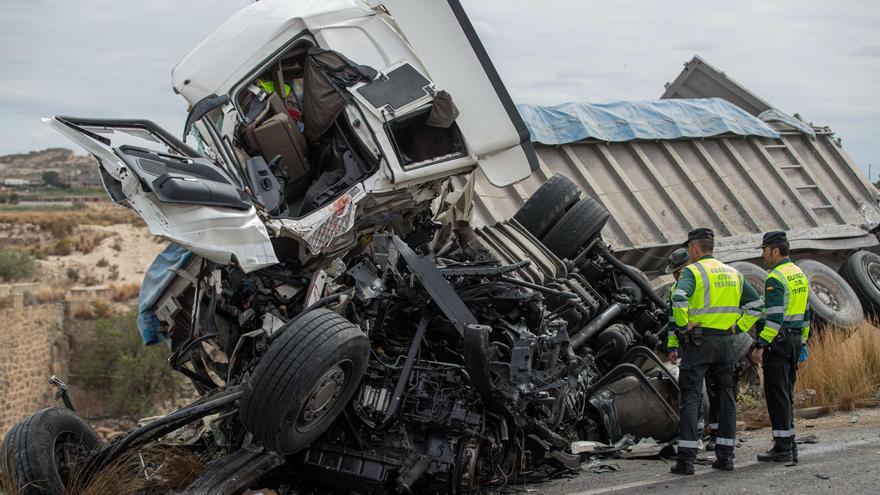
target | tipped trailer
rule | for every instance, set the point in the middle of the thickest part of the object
(712, 154)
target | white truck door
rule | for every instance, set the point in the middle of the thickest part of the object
(447, 45)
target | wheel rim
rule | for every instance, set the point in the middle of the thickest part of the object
(324, 396)
(873, 270)
(827, 293)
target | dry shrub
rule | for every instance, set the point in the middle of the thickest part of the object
(62, 223)
(843, 367)
(15, 264)
(102, 309)
(150, 471)
(8, 486)
(49, 294)
(61, 247)
(86, 243)
(84, 313)
(155, 470)
(125, 292)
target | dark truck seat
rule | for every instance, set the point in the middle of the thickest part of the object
(274, 133)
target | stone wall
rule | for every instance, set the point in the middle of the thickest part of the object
(33, 347)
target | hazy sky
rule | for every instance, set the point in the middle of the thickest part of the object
(113, 58)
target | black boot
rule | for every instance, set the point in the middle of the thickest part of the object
(781, 452)
(724, 463)
(683, 466)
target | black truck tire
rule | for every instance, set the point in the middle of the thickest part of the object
(832, 301)
(304, 381)
(577, 227)
(41, 452)
(547, 205)
(862, 272)
(754, 274)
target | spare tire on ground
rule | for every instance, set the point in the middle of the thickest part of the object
(40, 454)
(754, 274)
(304, 381)
(832, 301)
(580, 224)
(862, 272)
(547, 205)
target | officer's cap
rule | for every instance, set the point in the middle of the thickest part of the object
(677, 260)
(702, 233)
(774, 237)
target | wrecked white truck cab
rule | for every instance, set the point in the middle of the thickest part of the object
(313, 120)
(342, 321)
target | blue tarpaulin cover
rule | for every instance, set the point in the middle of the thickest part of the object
(628, 120)
(156, 280)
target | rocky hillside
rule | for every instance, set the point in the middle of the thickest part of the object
(30, 166)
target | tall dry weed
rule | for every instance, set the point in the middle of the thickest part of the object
(843, 367)
(155, 470)
(150, 471)
(125, 292)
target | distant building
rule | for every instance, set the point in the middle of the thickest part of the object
(16, 182)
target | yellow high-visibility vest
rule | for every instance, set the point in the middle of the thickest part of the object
(716, 297)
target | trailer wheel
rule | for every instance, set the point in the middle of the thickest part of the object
(862, 272)
(832, 300)
(578, 226)
(41, 453)
(754, 274)
(304, 381)
(547, 205)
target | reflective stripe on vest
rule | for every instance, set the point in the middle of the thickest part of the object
(796, 294)
(716, 297)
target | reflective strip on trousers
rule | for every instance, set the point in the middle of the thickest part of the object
(689, 444)
(713, 426)
(783, 433)
(727, 442)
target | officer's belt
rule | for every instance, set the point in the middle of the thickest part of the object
(716, 331)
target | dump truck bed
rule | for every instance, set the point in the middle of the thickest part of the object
(739, 183)
(657, 191)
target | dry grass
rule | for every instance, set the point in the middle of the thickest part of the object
(151, 471)
(84, 313)
(7, 484)
(62, 223)
(157, 470)
(125, 292)
(50, 294)
(843, 367)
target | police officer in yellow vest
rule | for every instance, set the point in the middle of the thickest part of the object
(675, 263)
(780, 343)
(711, 302)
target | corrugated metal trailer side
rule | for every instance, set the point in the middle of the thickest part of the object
(656, 191)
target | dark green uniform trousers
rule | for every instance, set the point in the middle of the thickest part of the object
(780, 373)
(714, 355)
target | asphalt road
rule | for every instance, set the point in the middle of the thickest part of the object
(845, 461)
